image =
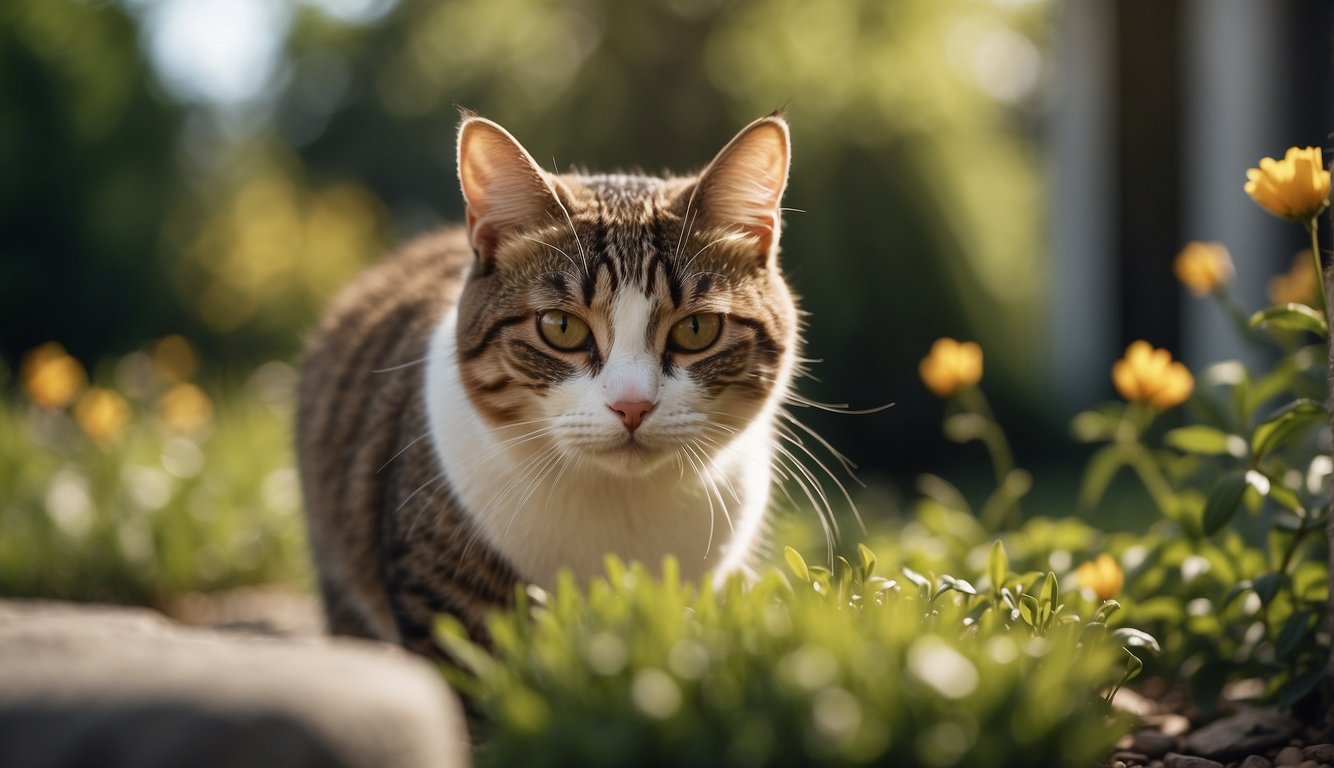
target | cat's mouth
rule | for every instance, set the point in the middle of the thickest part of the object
(632, 448)
(631, 455)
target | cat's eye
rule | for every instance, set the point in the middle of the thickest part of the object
(563, 330)
(696, 333)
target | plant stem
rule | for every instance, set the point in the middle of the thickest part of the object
(1152, 477)
(1312, 228)
(1297, 537)
(1135, 420)
(998, 448)
(1240, 316)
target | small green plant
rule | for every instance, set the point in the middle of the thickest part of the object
(135, 485)
(1231, 595)
(846, 668)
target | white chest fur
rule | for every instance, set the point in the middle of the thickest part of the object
(543, 514)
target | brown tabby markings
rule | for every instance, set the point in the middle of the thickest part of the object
(386, 575)
(392, 546)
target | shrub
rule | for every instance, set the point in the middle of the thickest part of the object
(847, 668)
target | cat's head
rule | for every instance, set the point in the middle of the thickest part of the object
(628, 320)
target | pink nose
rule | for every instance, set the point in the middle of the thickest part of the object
(632, 413)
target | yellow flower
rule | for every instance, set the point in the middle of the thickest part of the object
(1203, 267)
(951, 366)
(185, 408)
(51, 377)
(1148, 375)
(1297, 285)
(1296, 187)
(103, 414)
(1102, 576)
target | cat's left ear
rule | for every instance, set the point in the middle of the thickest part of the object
(742, 188)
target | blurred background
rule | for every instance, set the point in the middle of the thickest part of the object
(187, 182)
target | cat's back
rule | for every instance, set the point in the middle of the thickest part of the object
(360, 403)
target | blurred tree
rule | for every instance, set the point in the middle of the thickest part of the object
(913, 169)
(86, 148)
(914, 172)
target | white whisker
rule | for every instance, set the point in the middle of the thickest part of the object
(403, 450)
(400, 366)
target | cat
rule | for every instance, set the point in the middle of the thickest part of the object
(593, 364)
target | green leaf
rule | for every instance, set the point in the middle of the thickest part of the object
(1028, 608)
(1224, 499)
(880, 584)
(1285, 424)
(451, 635)
(1295, 629)
(1291, 317)
(1092, 426)
(941, 491)
(962, 585)
(1206, 686)
(1098, 473)
(998, 566)
(1266, 585)
(1282, 378)
(1133, 667)
(916, 578)
(1105, 611)
(1136, 638)
(1296, 688)
(1206, 441)
(797, 564)
(966, 427)
(843, 574)
(976, 613)
(867, 558)
(1285, 497)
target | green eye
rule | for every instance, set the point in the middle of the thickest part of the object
(563, 330)
(697, 332)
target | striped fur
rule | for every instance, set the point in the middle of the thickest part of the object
(448, 452)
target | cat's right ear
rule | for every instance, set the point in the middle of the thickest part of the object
(503, 186)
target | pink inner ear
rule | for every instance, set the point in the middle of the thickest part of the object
(503, 187)
(743, 187)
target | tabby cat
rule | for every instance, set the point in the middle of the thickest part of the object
(593, 365)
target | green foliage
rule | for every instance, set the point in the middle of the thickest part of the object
(1231, 578)
(154, 511)
(847, 668)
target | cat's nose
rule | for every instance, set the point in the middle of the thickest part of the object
(632, 412)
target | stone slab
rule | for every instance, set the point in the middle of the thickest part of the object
(112, 686)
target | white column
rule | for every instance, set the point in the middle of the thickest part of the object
(1082, 179)
(1232, 95)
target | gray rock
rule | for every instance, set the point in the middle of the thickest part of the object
(1248, 732)
(1174, 760)
(1288, 756)
(1256, 761)
(1153, 743)
(1321, 753)
(125, 687)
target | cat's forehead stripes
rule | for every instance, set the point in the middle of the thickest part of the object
(632, 229)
